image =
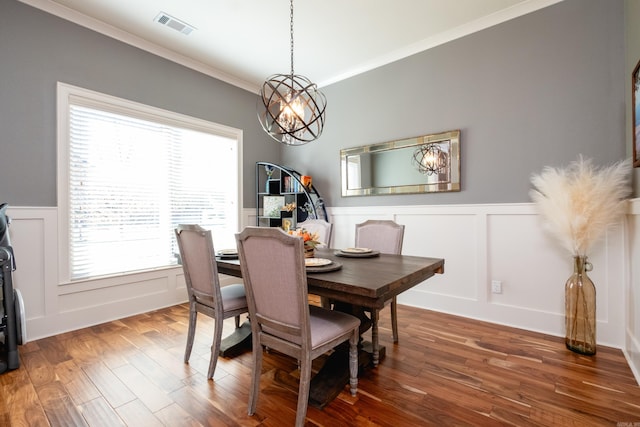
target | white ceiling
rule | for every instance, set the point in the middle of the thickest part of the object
(244, 41)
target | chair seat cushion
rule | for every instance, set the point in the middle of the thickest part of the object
(327, 324)
(233, 297)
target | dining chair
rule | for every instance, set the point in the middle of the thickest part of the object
(273, 270)
(206, 296)
(385, 236)
(320, 226)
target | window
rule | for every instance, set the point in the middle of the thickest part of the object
(129, 173)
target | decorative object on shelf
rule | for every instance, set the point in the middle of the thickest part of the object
(577, 204)
(319, 205)
(430, 159)
(291, 109)
(635, 105)
(306, 181)
(308, 208)
(269, 169)
(289, 207)
(272, 206)
(310, 241)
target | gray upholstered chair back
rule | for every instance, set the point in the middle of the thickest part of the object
(381, 235)
(275, 279)
(320, 226)
(199, 263)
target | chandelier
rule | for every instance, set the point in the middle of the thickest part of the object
(430, 159)
(291, 109)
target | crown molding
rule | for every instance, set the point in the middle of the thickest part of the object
(496, 18)
(130, 39)
(445, 37)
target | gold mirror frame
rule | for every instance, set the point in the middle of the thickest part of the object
(390, 167)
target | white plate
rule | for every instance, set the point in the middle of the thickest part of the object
(228, 252)
(316, 262)
(356, 250)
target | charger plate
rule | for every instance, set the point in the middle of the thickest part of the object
(227, 254)
(324, 268)
(369, 254)
(316, 262)
(356, 250)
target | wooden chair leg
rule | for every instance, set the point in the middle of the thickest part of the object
(193, 314)
(303, 390)
(255, 380)
(394, 320)
(215, 346)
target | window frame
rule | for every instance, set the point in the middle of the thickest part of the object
(68, 94)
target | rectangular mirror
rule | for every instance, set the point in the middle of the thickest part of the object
(425, 164)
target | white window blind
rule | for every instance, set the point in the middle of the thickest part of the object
(132, 180)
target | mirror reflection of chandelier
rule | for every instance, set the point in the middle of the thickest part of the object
(430, 159)
(291, 109)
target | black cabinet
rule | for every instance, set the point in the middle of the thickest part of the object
(282, 200)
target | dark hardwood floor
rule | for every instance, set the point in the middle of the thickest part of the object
(446, 371)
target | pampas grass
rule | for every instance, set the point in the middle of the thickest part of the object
(579, 202)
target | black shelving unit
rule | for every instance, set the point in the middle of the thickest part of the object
(283, 186)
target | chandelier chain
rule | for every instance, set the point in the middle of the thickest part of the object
(291, 32)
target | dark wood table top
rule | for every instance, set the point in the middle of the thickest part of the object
(367, 282)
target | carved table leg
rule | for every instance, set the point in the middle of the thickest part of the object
(374, 337)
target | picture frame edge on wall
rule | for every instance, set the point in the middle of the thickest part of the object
(635, 113)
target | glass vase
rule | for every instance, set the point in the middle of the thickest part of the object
(580, 309)
(309, 252)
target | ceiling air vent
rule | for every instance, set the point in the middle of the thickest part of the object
(171, 22)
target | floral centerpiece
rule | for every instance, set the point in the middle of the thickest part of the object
(310, 241)
(577, 204)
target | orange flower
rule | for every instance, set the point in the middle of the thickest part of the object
(310, 239)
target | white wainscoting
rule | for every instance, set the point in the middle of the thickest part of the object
(479, 243)
(632, 290)
(52, 308)
(504, 242)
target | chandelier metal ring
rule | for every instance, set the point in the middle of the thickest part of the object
(291, 109)
(430, 159)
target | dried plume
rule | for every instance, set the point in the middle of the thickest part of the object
(579, 202)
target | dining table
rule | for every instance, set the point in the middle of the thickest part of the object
(358, 282)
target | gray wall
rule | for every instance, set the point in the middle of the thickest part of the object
(632, 26)
(534, 91)
(38, 49)
(531, 92)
